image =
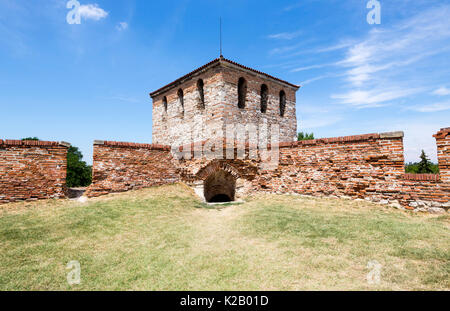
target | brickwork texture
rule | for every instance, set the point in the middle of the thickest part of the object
(31, 170)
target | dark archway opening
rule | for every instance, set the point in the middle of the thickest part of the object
(220, 198)
(219, 187)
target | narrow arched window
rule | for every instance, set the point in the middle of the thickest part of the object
(282, 103)
(181, 99)
(242, 92)
(201, 93)
(165, 103)
(264, 97)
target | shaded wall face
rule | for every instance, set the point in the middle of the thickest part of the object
(119, 167)
(32, 170)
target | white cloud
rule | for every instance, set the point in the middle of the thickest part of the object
(310, 67)
(92, 11)
(339, 46)
(442, 91)
(285, 35)
(432, 107)
(373, 98)
(122, 26)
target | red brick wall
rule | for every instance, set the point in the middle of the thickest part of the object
(367, 166)
(31, 170)
(443, 148)
(349, 166)
(119, 167)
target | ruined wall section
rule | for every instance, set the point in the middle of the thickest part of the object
(120, 167)
(32, 170)
(443, 150)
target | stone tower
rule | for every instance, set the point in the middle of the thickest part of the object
(194, 107)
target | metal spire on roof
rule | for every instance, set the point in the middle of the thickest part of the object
(221, 54)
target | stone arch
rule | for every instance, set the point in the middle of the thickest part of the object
(214, 166)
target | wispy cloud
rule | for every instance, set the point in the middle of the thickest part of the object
(122, 26)
(92, 11)
(373, 98)
(285, 35)
(377, 67)
(293, 6)
(335, 47)
(298, 69)
(432, 107)
(442, 91)
(314, 79)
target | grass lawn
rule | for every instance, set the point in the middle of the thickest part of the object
(165, 239)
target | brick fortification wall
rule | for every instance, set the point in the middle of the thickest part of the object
(119, 167)
(369, 167)
(31, 170)
(443, 149)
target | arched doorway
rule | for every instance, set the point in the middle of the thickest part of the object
(219, 187)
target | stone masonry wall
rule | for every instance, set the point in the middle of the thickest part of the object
(173, 127)
(176, 127)
(119, 167)
(252, 114)
(31, 170)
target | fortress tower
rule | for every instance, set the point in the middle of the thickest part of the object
(193, 107)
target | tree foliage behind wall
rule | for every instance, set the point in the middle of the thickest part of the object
(425, 166)
(305, 136)
(31, 138)
(79, 174)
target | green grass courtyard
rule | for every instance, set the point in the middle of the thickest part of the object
(164, 238)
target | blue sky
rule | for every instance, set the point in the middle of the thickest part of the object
(79, 83)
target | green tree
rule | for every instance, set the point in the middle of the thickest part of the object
(305, 136)
(425, 166)
(79, 174)
(31, 138)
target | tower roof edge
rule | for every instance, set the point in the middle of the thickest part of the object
(218, 61)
